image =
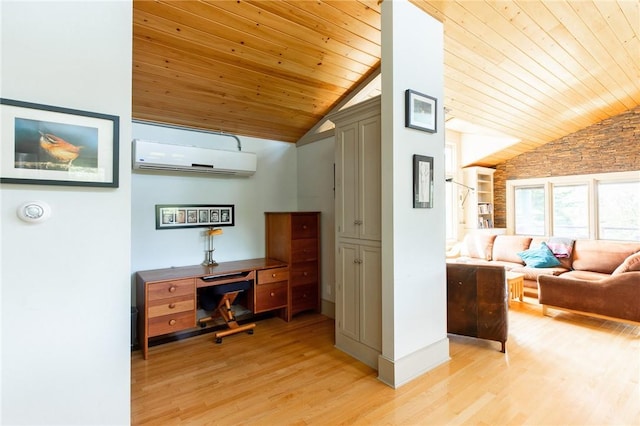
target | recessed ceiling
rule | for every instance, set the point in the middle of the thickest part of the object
(534, 70)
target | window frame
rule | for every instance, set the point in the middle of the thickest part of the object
(591, 180)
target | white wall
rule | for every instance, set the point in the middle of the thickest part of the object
(65, 324)
(316, 193)
(272, 188)
(413, 240)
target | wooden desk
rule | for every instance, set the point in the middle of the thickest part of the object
(167, 301)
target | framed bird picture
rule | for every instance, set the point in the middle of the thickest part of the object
(42, 144)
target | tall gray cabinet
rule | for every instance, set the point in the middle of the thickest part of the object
(358, 231)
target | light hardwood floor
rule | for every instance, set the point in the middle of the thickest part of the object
(565, 370)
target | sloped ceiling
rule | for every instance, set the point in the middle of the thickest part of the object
(533, 70)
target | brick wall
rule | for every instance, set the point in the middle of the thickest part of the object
(613, 145)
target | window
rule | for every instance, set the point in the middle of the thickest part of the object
(599, 206)
(571, 211)
(619, 210)
(529, 210)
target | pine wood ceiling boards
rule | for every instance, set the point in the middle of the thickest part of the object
(534, 70)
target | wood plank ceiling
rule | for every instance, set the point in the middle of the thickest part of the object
(533, 70)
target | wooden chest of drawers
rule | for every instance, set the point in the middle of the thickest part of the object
(294, 238)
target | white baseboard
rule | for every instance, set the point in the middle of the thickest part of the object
(401, 371)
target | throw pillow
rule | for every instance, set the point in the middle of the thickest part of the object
(561, 247)
(631, 263)
(541, 257)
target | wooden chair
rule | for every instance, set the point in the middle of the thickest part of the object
(219, 298)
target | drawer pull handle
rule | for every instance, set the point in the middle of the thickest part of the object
(172, 305)
(304, 226)
(172, 322)
(305, 273)
(273, 275)
(172, 289)
(272, 294)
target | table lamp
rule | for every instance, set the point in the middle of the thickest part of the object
(208, 259)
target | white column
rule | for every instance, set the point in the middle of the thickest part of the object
(413, 242)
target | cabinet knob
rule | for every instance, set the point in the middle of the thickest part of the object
(172, 289)
(272, 294)
(273, 275)
(305, 273)
(304, 226)
(172, 322)
(172, 305)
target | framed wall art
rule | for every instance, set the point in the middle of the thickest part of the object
(420, 111)
(170, 216)
(51, 145)
(422, 182)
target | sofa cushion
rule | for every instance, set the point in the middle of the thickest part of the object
(601, 256)
(585, 275)
(631, 263)
(532, 274)
(470, 260)
(477, 245)
(506, 265)
(506, 248)
(540, 257)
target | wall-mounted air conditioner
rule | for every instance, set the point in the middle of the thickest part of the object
(160, 156)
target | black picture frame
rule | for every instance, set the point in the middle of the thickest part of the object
(420, 111)
(172, 216)
(422, 182)
(51, 145)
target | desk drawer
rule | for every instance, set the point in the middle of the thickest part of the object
(304, 250)
(270, 296)
(166, 289)
(171, 306)
(171, 323)
(273, 275)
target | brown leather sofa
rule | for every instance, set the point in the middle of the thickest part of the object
(600, 277)
(479, 248)
(604, 282)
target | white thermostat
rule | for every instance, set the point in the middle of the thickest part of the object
(34, 211)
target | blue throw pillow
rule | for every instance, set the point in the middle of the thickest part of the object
(541, 257)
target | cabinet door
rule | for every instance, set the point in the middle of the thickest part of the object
(347, 181)
(369, 169)
(371, 296)
(347, 291)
